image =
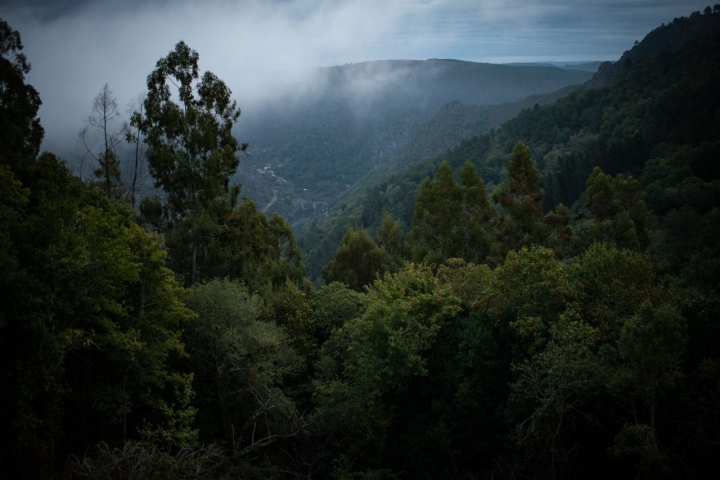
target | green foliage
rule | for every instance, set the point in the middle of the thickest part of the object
(191, 154)
(19, 103)
(335, 305)
(191, 149)
(649, 351)
(245, 245)
(390, 237)
(239, 364)
(579, 345)
(452, 221)
(556, 383)
(358, 261)
(435, 232)
(620, 212)
(582, 342)
(477, 211)
(91, 325)
(521, 203)
(376, 356)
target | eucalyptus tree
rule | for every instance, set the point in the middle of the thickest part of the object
(191, 152)
(187, 124)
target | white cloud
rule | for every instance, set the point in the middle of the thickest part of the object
(81, 45)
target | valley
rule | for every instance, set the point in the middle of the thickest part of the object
(383, 270)
(356, 122)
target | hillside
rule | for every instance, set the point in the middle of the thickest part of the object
(660, 108)
(585, 66)
(452, 124)
(664, 37)
(338, 124)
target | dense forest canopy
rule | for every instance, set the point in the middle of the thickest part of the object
(540, 301)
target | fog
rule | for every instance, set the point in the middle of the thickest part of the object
(268, 50)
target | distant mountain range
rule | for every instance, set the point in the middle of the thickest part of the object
(587, 66)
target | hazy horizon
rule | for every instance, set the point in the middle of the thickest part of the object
(76, 46)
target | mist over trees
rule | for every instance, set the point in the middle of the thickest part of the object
(540, 301)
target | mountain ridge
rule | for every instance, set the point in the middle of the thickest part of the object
(353, 118)
(619, 127)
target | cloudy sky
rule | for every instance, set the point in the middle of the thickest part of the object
(76, 46)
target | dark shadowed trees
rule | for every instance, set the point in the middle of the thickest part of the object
(358, 261)
(20, 129)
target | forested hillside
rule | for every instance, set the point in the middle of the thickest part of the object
(654, 110)
(541, 301)
(454, 123)
(338, 124)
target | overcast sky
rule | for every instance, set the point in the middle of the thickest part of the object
(76, 46)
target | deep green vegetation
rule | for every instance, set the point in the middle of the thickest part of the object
(538, 302)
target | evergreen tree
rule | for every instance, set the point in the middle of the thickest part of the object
(358, 261)
(390, 237)
(436, 234)
(520, 201)
(620, 212)
(477, 212)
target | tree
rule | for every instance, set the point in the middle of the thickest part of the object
(620, 212)
(436, 232)
(477, 211)
(240, 363)
(375, 357)
(104, 111)
(520, 201)
(335, 305)
(390, 237)
(191, 149)
(135, 138)
(358, 261)
(90, 322)
(20, 129)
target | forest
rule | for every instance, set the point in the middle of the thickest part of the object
(540, 301)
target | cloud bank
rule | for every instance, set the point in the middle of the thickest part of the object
(76, 46)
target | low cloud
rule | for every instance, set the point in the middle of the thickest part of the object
(76, 46)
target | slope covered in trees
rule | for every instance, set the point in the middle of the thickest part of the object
(486, 331)
(660, 109)
(340, 123)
